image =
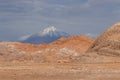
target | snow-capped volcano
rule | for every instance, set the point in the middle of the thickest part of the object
(49, 30)
(48, 35)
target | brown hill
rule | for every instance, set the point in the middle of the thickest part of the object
(67, 49)
(108, 43)
(107, 46)
(76, 43)
(62, 50)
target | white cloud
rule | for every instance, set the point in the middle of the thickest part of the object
(24, 37)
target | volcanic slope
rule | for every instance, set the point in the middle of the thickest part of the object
(48, 35)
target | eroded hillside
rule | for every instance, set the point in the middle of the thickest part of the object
(63, 50)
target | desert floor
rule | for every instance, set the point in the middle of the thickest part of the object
(68, 71)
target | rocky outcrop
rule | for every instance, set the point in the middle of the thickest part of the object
(108, 43)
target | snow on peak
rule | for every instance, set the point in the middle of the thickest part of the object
(49, 29)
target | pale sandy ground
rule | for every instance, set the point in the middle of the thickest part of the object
(78, 71)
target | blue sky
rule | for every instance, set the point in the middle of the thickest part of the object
(23, 17)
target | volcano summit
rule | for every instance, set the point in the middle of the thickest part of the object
(48, 35)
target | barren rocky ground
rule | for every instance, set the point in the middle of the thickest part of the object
(76, 71)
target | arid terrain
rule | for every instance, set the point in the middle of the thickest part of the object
(73, 58)
(60, 51)
(67, 71)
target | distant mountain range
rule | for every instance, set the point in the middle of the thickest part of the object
(48, 35)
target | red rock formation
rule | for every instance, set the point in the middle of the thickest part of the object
(62, 50)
